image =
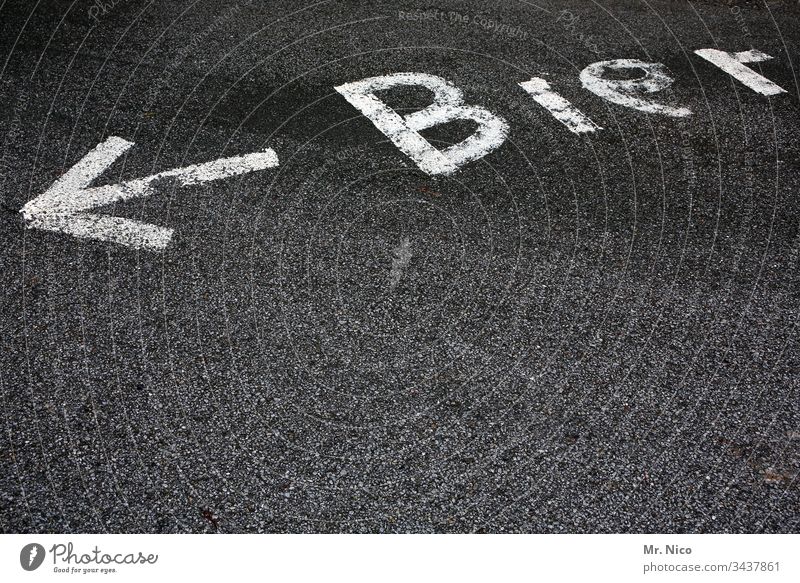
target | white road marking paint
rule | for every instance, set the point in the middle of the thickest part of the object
(560, 108)
(733, 65)
(629, 92)
(448, 105)
(64, 207)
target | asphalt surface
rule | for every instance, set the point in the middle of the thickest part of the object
(592, 333)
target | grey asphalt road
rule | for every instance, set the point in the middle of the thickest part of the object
(575, 333)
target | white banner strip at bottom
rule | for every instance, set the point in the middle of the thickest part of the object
(390, 558)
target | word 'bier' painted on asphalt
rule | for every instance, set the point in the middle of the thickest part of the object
(65, 207)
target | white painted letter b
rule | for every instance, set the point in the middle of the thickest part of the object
(404, 131)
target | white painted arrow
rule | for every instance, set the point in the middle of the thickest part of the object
(64, 207)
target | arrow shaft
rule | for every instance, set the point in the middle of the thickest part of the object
(222, 168)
